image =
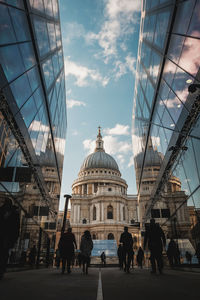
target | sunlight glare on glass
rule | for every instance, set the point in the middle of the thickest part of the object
(189, 81)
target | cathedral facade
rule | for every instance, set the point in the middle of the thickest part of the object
(99, 200)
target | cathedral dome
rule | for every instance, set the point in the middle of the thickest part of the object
(99, 159)
(152, 158)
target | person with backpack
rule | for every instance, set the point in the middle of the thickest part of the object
(66, 247)
(127, 241)
(86, 249)
(155, 238)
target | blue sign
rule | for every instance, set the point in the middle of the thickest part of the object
(107, 246)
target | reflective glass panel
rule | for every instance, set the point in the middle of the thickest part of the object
(20, 24)
(190, 56)
(34, 78)
(41, 35)
(189, 164)
(27, 55)
(175, 47)
(6, 29)
(169, 71)
(52, 36)
(195, 21)
(149, 93)
(161, 28)
(154, 65)
(11, 61)
(28, 111)
(183, 15)
(48, 7)
(48, 72)
(39, 97)
(21, 89)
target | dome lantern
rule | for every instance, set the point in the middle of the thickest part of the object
(99, 158)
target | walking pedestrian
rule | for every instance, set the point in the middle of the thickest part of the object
(32, 256)
(66, 247)
(9, 231)
(127, 241)
(86, 249)
(57, 259)
(172, 253)
(188, 257)
(132, 258)
(120, 256)
(155, 238)
(198, 252)
(140, 257)
(103, 259)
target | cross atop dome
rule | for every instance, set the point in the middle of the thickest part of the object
(99, 134)
(99, 141)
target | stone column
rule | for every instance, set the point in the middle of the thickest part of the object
(74, 213)
(121, 212)
(78, 213)
(117, 216)
(102, 211)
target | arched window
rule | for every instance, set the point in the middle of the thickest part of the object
(111, 236)
(110, 212)
(94, 236)
(124, 217)
(84, 221)
(94, 213)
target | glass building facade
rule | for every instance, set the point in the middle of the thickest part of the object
(166, 110)
(32, 116)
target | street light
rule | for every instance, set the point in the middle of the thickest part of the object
(67, 197)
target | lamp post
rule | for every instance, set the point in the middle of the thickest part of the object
(67, 197)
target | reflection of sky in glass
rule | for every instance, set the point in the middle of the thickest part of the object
(180, 69)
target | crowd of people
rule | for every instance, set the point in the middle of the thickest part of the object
(68, 255)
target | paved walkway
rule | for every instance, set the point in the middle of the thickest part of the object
(100, 284)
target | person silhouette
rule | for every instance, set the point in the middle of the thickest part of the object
(172, 253)
(140, 257)
(9, 231)
(66, 247)
(120, 256)
(155, 238)
(86, 248)
(103, 259)
(127, 241)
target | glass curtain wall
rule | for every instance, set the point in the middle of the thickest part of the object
(166, 120)
(32, 119)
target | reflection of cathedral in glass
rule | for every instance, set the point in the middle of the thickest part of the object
(170, 199)
(99, 198)
(32, 116)
(165, 118)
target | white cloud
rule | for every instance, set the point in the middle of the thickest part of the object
(71, 103)
(74, 132)
(89, 145)
(112, 145)
(117, 130)
(68, 92)
(131, 162)
(122, 68)
(83, 74)
(121, 158)
(74, 31)
(131, 61)
(120, 15)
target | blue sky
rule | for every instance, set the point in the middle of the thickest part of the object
(100, 41)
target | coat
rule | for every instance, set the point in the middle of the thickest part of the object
(86, 246)
(66, 245)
